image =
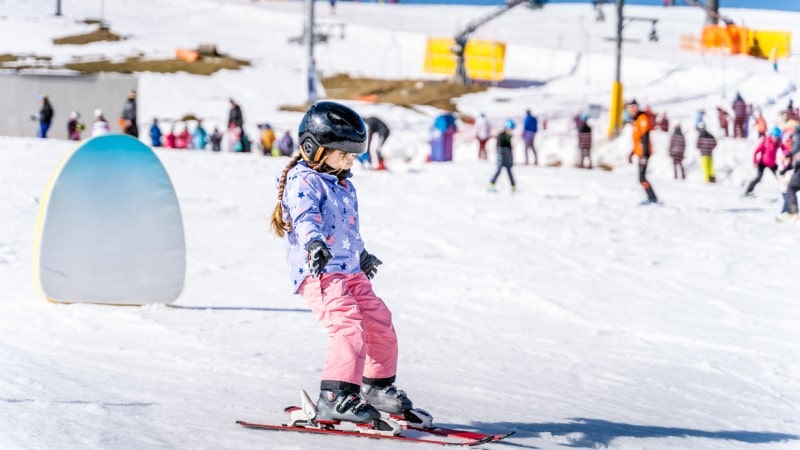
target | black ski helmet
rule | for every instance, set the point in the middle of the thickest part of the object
(331, 125)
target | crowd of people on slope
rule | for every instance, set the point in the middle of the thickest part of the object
(192, 134)
(99, 125)
(777, 150)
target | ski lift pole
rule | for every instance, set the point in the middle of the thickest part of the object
(311, 65)
(615, 111)
(462, 37)
(58, 7)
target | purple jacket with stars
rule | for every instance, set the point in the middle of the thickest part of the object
(320, 207)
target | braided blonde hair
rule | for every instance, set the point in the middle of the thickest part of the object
(279, 227)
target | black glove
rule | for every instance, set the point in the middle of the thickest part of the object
(318, 257)
(369, 264)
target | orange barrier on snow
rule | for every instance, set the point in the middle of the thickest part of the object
(183, 54)
(369, 98)
(730, 37)
(741, 40)
(690, 42)
(484, 60)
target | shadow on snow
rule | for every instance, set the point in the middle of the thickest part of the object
(592, 433)
(240, 308)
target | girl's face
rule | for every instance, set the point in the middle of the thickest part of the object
(340, 160)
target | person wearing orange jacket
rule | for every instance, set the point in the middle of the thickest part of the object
(642, 147)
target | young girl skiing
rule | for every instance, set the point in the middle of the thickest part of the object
(317, 215)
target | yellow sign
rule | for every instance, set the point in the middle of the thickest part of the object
(483, 59)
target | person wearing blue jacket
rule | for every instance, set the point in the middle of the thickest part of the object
(155, 134)
(318, 218)
(529, 129)
(199, 136)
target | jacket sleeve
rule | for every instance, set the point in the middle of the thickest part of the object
(796, 142)
(758, 152)
(303, 195)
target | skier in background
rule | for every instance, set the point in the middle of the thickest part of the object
(677, 150)
(216, 140)
(585, 145)
(239, 141)
(267, 139)
(642, 147)
(794, 182)
(155, 134)
(100, 125)
(45, 116)
(286, 144)
(765, 157)
(739, 116)
(483, 131)
(379, 127)
(505, 156)
(127, 119)
(529, 129)
(199, 136)
(723, 116)
(74, 126)
(182, 139)
(700, 117)
(317, 215)
(171, 139)
(706, 143)
(761, 124)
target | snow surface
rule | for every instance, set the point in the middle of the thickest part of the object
(565, 311)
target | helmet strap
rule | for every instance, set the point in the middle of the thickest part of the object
(318, 154)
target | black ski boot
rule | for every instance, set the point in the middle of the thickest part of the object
(344, 406)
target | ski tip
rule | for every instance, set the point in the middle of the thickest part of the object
(493, 438)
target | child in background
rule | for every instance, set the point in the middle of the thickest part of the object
(286, 145)
(505, 157)
(706, 144)
(155, 134)
(216, 140)
(74, 127)
(585, 144)
(765, 157)
(199, 136)
(267, 139)
(183, 140)
(170, 140)
(793, 185)
(317, 215)
(483, 131)
(100, 125)
(677, 149)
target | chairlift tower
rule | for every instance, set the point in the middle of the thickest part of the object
(311, 65)
(462, 37)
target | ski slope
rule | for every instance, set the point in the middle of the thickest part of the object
(565, 311)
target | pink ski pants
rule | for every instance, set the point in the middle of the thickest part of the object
(361, 337)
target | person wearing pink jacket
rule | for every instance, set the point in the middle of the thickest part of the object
(765, 156)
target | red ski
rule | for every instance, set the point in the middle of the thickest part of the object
(464, 437)
(415, 425)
